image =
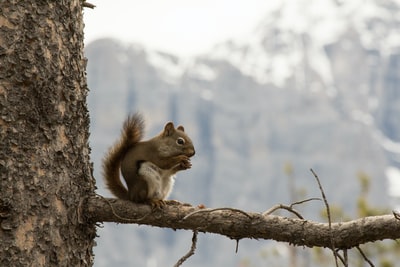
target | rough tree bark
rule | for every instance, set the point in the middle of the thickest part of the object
(44, 154)
(48, 208)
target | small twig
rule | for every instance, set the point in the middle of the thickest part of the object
(281, 206)
(190, 252)
(365, 256)
(289, 208)
(237, 246)
(329, 217)
(120, 217)
(217, 209)
(304, 201)
(346, 258)
(89, 5)
(396, 214)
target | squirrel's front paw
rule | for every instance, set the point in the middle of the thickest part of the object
(185, 164)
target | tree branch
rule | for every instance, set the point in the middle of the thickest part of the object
(237, 225)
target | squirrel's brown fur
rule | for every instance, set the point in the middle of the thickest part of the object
(163, 155)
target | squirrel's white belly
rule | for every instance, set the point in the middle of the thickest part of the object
(159, 181)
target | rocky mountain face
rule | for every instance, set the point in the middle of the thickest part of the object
(312, 87)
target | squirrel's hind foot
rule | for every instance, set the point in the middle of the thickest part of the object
(157, 204)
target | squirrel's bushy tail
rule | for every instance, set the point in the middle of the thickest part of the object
(132, 133)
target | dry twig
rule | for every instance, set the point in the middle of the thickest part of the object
(346, 258)
(89, 5)
(120, 217)
(396, 214)
(365, 256)
(190, 252)
(342, 259)
(217, 209)
(329, 217)
(288, 208)
(281, 206)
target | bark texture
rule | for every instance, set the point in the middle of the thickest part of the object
(237, 224)
(44, 154)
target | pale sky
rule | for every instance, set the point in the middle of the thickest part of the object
(183, 27)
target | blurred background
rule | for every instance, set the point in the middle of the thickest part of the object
(266, 91)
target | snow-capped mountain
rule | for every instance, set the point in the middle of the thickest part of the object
(315, 85)
(295, 37)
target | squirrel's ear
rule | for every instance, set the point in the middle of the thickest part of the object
(169, 129)
(180, 128)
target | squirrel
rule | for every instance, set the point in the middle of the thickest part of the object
(148, 167)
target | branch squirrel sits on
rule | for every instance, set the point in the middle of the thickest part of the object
(148, 167)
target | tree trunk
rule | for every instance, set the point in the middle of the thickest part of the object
(44, 155)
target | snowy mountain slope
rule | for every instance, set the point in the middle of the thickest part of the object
(296, 35)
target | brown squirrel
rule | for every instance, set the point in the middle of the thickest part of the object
(148, 166)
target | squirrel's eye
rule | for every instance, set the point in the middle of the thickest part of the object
(180, 141)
